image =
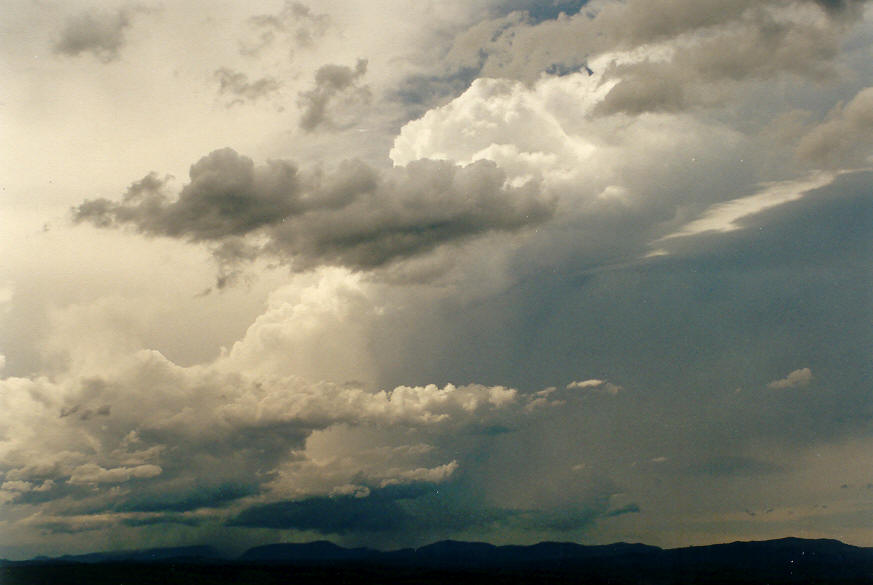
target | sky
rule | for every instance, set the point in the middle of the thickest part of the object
(387, 272)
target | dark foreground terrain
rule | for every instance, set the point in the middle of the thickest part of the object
(772, 562)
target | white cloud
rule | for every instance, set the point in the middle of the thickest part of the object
(526, 131)
(596, 385)
(437, 474)
(609, 169)
(315, 327)
(93, 473)
(592, 383)
(726, 217)
(797, 378)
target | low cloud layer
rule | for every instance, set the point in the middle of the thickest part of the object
(153, 457)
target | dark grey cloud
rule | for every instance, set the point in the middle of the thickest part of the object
(712, 46)
(842, 7)
(68, 527)
(758, 47)
(353, 216)
(180, 519)
(379, 511)
(627, 509)
(226, 196)
(201, 493)
(336, 86)
(236, 86)
(100, 33)
(420, 511)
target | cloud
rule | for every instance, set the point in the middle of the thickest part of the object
(417, 510)
(547, 131)
(17, 486)
(596, 385)
(91, 473)
(227, 196)
(335, 86)
(170, 426)
(843, 139)
(295, 23)
(626, 509)
(420, 92)
(762, 43)
(434, 475)
(100, 33)
(667, 57)
(728, 216)
(506, 246)
(585, 384)
(238, 87)
(354, 216)
(381, 510)
(800, 377)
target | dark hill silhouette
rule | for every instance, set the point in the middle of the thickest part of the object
(782, 561)
(308, 552)
(151, 555)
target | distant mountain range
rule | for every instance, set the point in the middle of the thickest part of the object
(787, 560)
